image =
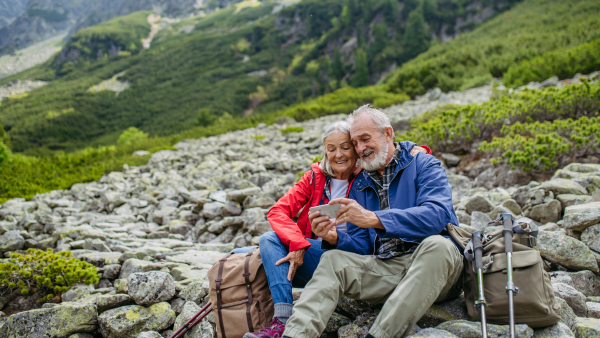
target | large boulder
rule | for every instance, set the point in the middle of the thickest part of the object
(559, 329)
(567, 200)
(579, 217)
(468, 329)
(546, 212)
(59, 321)
(563, 186)
(151, 287)
(201, 330)
(567, 315)
(478, 203)
(588, 327)
(575, 299)
(129, 321)
(11, 241)
(566, 251)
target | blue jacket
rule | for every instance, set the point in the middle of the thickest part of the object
(420, 204)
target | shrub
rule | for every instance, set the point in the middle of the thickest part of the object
(258, 137)
(288, 130)
(4, 153)
(37, 270)
(132, 136)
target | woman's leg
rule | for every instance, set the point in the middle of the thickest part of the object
(312, 256)
(271, 251)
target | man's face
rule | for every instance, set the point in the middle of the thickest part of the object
(370, 144)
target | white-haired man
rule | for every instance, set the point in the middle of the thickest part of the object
(395, 251)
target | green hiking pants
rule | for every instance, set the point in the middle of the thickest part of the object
(407, 285)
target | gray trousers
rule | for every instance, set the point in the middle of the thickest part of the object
(407, 285)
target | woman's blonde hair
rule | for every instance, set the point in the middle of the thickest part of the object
(341, 126)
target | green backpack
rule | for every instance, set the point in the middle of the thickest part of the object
(535, 304)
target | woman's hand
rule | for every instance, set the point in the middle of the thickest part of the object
(295, 258)
(416, 149)
(323, 227)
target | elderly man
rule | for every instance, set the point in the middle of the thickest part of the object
(396, 251)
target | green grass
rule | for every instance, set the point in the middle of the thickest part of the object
(529, 30)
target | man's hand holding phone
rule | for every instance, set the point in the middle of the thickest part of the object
(323, 225)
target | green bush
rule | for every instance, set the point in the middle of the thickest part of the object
(4, 153)
(37, 270)
(132, 136)
(563, 63)
(288, 130)
(534, 129)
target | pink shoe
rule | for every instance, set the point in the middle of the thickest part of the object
(275, 330)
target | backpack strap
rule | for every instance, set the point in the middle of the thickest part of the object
(249, 288)
(218, 287)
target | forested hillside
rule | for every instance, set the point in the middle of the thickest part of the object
(259, 61)
(239, 61)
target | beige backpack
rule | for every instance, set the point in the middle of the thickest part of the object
(535, 304)
(240, 294)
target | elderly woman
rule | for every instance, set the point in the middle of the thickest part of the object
(292, 252)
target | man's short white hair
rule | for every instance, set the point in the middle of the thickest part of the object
(381, 120)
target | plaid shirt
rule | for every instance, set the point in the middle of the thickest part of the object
(389, 247)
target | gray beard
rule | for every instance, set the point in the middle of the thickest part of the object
(378, 162)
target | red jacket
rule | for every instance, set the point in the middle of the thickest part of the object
(307, 192)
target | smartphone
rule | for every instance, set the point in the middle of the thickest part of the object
(327, 210)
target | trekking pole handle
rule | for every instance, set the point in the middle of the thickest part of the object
(507, 232)
(478, 249)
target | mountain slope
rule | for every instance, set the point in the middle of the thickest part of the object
(247, 59)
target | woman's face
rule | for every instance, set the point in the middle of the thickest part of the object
(340, 152)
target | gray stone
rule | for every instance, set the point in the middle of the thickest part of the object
(559, 329)
(575, 299)
(463, 217)
(579, 217)
(563, 186)
(177, 305)
(567, 200)
(479, 220)
(195, 292)
(450, 160)
(111, 271)
(432, 333)
(77, 292)
(179, 227)
(566, 251)
(131, 320)
(336, 321)
(354, 307)
(149, 334)
(585, 281)
(546, 212)
(259, 201)
(240, 195)
(58, 321)
(11, 241)
(467, 329)
(81, 335)
(499, 210)
(97, 258)
(202, 330)
(201, 259)
(441, 312)
(567, 315)
(212, 210)
(107, 302)
(121, 285)
(593, 309)
(133, 265)
(232, 208)
(513, 206)
(352, 331)
(588, 328)
(478, 203)
(151, 287)
(591, 237)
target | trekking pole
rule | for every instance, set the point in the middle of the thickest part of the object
(193, 321)
(480, 302)
(511, 289)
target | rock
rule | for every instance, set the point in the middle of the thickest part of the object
(567, 200)
(240, 195)
(579, 217)
(432, 333)
(479, 203)
(450, 160)
(336, 322)
(76, 293)
(559, 329)
(184, 272)
(201, 330)
(131, 320)
(232, 209)
(195, 292)
(354, 308)
(133, 265)
(177, 305)
(202, 259)
(588, 327)
(121, 285)
(567, 315)
(499, 210)
(81, 335)
(463, 217)
(111, 271)
(513, 206)
(467, 329)
(107, 302)
(546, 212)
(593, 309)
(212, 210)
(479, 220)
(575, 299)
(149, 334)
(563, 186)
(97, 258)
(566, 251)
(585, 281)
(591, 237)
(58, 321)
(352, 331)
(441, 312)
(11, 241)
(151, 287)
(259, 201)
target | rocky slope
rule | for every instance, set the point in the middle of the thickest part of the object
(153, 231)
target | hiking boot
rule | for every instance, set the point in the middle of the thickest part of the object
(274, 330)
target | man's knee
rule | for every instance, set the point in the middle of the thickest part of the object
(269, 239)
(439, 245)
